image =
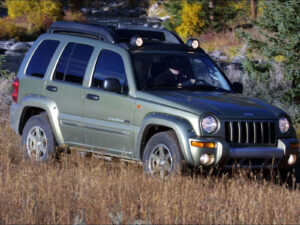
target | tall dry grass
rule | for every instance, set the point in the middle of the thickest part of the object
(77, 189)
(228, 42)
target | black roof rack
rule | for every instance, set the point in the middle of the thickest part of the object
(97, 31)
(139, 30)
(115, 34)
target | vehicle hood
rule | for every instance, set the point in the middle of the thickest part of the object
(222, 104)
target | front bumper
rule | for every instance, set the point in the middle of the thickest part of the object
(227, 156)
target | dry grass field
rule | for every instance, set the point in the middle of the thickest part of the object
(77, 189)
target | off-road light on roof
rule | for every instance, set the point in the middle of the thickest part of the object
(193, 43)
(137, 41)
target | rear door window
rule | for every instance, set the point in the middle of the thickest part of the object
(41, 58)
(73, 63)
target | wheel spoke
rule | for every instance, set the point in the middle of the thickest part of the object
(37, 155)
(38, 133)
(161, 152)
(32, 138)
(168, 157)
(168, 167)
(155, 158)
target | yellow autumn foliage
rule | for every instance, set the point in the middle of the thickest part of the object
(9, 29)
(38, 13)
(192, 23)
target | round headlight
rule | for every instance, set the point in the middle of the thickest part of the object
(284, 125)
(209, 124)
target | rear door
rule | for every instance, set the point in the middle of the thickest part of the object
(108, 117)
(65, 88)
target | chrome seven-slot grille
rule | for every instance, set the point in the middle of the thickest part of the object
(250, 132)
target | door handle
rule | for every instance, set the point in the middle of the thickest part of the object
(92, 97)
(52, 88)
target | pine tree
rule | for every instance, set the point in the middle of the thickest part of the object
(280, 38)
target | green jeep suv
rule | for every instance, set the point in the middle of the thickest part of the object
(142, 94)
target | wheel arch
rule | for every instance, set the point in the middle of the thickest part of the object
(34, 105)
(156, 122)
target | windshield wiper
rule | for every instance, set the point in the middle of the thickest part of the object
(159, 87)
(204, 86)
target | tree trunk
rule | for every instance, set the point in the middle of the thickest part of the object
(254, 9)
(212, 6)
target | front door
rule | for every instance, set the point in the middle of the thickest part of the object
(108, 116)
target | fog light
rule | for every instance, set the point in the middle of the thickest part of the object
(292, 159)
(203, 144)
(207, 159)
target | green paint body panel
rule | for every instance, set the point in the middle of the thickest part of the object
(115, 126)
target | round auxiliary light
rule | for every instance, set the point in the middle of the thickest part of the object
(137, 41)
(284, 125)
(209, 124)
(292, 159)
(207, 159)
(193, 43)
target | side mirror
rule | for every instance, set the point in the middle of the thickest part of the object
(238, 87)
(112, 85)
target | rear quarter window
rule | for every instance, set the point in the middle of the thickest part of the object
(40, 60)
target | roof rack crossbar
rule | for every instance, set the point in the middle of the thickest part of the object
(102, 32)
(170, 37)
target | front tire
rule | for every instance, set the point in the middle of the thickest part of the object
(162, 156)
(38, 140)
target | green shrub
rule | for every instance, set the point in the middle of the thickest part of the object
(174, 10)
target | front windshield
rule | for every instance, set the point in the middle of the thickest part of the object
(178, 70)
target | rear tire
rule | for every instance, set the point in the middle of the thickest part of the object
(162, 156)
(38, 140)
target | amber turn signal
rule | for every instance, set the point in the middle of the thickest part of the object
(203, 144)
(294, 145)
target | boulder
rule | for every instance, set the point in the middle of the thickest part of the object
(19, 47)
(238, 59)
(7, 44)
(152, 8)
(85, 10)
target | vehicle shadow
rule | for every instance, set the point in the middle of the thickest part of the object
(289, 178)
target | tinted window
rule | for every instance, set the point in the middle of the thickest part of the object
(73, 63)
(109, 65)
(41, 58)
(180, 71)
(63, 61)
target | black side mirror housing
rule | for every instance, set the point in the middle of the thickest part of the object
(238, 87)
(112, 85)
